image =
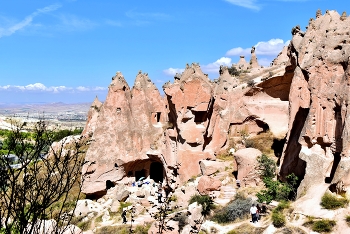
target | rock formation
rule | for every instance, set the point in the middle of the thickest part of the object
(317, 148)
(139, 134)
(242, 63)
(92, 117)
(253, 59)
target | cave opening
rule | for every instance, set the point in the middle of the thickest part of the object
(158, 117)
(200, 116)
(109, 184)
(157, 171)
(140, 174)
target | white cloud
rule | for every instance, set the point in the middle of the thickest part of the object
(39, 87)
(264, 62)
(172, 71)
(9, 30)
(271, 47)
(215, 66)
(268, 48)
(250, 4)
(238, 51)
(208, 68)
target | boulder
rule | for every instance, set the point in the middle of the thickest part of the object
(246, 165)
(86, 206)
(207, 184)
(210, 167)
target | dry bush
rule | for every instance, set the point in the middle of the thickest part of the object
(42, 187)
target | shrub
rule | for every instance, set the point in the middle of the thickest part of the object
(347, 219)
(206, 202)
(182, 219)
(238, 208)
(282, 205)
(267, 166)
(278, 219)
(276, 190)
(233, 71)
(323, 225)
(331, 202)
(251, 83)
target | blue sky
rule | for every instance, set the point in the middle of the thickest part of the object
(68, 50)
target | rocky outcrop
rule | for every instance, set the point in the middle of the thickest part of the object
(247, 166)
(92, 117)
(207, 184)
(242, 63)
(317, 148)
(140, 134)
(253, 59)
(128, 130)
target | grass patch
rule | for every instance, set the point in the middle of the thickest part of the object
(332, 202)
(347, 219)
(246, 228)
(99, 219)
(84, 225)
(123, 205)
(320, 225)
(262, 142)
(140, 229)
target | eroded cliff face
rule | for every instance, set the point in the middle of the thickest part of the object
(128, 131)
(317, 148)
(138, 133)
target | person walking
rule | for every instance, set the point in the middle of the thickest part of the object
(258, 211)
(253, 211)
(124, 216)
(160, 193)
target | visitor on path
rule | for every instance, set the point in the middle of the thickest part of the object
(258, 212)
(253, 211)
(124, 216)
(160, 193)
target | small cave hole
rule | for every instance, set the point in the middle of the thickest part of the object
(109, 184)
(115, 165)
(119, 109)
(158, 117)
(200, 116)
(339, 47)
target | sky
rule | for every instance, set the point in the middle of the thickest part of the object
(68, 50)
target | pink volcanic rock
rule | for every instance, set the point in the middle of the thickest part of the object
(92, 117)
(140, 134)
(317, 146)
(253, 59)
(246, 165)
(207, 184)
(190, 101)
(129, 125)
